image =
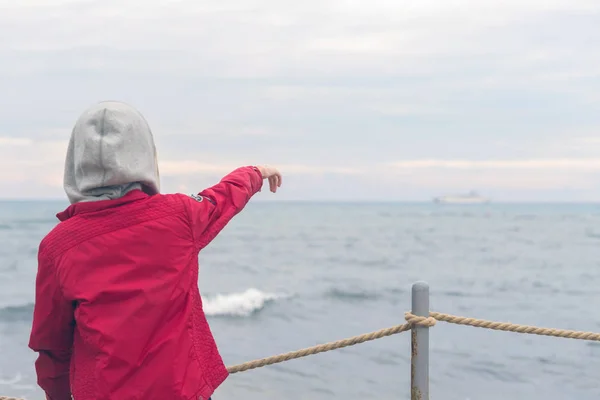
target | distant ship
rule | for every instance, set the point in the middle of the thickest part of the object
(469, 198)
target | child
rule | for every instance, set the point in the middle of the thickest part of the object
(118, 314)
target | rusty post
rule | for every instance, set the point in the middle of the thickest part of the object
(419, 368)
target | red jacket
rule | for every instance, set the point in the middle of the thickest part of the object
(118, 313)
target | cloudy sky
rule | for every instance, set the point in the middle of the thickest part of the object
(353, 100)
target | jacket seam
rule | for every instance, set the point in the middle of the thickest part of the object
(198, 243)
(195, 291)
(194, 288)
(62, 252)
(189, 222)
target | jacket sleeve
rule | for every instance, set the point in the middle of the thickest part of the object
(52, 333)
(216, 206)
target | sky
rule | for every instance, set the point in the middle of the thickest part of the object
(379, 100)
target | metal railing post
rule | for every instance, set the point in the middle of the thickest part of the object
(419, 368)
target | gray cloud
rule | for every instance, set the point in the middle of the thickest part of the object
(329, 84)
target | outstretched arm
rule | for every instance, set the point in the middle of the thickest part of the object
(216, 206)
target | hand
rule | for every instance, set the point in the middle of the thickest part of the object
(272, 174)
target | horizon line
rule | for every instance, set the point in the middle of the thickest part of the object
(347, 201)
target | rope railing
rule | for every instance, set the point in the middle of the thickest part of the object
(420, 351)
(413, 320)
(322, 348)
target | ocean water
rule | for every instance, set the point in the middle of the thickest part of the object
(286, 276)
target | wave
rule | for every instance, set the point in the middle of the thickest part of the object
(352, 294)
(241, 304)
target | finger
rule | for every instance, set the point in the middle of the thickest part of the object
(279, 179)
(272, 184)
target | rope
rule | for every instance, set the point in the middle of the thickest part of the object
(411, 320)
(319, 349)
(508, 327)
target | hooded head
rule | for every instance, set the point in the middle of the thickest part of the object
(111, 152)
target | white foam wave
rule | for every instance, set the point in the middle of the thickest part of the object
(238, 304)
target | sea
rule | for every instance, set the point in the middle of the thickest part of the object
(284, 276)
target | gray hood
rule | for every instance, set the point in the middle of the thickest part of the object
(111, 152)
